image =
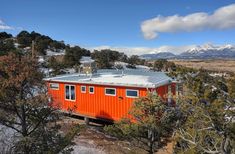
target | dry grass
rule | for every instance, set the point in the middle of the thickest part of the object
(213, 65)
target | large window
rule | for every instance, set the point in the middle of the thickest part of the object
(110, 91)
(132, 93)
(54, 86)
(91, 90)
(70, 92)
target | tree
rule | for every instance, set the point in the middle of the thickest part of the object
(24, 39)
(207, 127)
(208, 111)
(151, 122)
(105, 58)
(73, 55)
(25, 107)
(55, 65)
(57, 45)
(159, 64)
(4, 35)
(41, 46)
(6, 46)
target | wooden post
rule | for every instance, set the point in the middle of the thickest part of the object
(87, 120)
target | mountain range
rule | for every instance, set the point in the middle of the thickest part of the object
(206, 51)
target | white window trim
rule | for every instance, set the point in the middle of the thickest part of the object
(82, 90)
(132, 96)
(54, 88)
(110, 94)
(70, 93)
(93, 89)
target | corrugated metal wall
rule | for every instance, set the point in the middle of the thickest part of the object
(99, 105)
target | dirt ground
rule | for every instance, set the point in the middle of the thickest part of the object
(91, 139)
(220, 65)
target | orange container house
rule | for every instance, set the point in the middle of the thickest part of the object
(106, 94)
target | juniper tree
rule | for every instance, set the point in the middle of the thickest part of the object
(24, 107)
(208, 123)
(151, 122)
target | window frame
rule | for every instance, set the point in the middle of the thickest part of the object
(69, 85)
(93, 90)
(82, 90)
(54, 88)
(132, 90)
(110, 94)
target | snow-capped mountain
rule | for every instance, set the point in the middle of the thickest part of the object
(209, 51)
(205, 51)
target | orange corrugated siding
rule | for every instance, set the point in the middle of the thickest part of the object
(98, 105)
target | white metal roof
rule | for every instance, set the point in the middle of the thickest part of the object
(130, 78)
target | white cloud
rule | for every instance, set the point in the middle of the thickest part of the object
(222, 18)
(146, 50)
(3, 26)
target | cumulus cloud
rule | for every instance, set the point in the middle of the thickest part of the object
(3, 26)
(222, 18)
(146, 50)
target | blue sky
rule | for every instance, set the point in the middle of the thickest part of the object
(119, 23)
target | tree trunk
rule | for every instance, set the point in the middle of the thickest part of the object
(151, 141)
(24, 128)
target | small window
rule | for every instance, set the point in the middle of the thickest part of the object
(54, 86)
(132, 93)
(91, 90)
(70, 92)
(110, 91)
(83, 89)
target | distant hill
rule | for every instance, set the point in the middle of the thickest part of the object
(161, 55)
(206, 51)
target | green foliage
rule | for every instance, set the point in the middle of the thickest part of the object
(6, 46)
(135, 60)
(55, 65)
(42, 42)
(57, 45)
(105, 58)
(24, 39)
(163, 64)
(73, 55)
(151, 122)
(4, 35)
(206, 128)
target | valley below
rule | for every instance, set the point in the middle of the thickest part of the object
(217, 65)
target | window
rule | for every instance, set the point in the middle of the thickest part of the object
(110, 91)
(70, 92)
(83, 89)
(54, 86)
(132, 93)
(91, 90)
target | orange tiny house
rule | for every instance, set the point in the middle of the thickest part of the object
(107, 94)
